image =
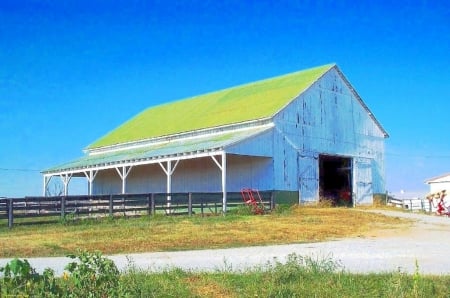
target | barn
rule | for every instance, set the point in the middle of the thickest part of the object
(305, 135)
(439, 183)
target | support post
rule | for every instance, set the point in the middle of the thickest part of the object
(90, 176)
(224, 182)
(66, 179)
(168, 170)
(223, 167)
(45, 185)
(123, 175)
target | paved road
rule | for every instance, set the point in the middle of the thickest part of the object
(427, 242)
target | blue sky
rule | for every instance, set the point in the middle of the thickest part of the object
(73, 70)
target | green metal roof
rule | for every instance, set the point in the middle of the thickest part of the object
(159, 150)
(252, 101)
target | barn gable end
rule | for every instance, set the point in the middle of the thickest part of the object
(329, 119)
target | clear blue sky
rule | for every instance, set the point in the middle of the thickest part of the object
(73, 70)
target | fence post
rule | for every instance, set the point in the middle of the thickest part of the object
(272, 201)
(10, 213)
(201, 207)
(152, 204)
(190, 204)
(111, 206)
(63, 207)
(123, 207)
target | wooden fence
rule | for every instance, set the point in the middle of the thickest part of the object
(416, 204)
(38, 209)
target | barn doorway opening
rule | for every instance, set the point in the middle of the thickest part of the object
(335, 180)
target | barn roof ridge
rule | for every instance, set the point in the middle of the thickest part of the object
(224, 107)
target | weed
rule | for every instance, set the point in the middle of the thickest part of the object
(20, 279)
(241, 210)
(283, 209)
(92, 273)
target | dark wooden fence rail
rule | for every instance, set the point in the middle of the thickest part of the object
(34, 209)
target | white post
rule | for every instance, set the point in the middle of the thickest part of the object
(169, 171)
(123, 175)
(169, 177)
(46, 182)
(90, 176)
(223, 167)
(224, 182)
(66, 179)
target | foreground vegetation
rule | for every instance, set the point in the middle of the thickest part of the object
(164, 233)
(92, 275)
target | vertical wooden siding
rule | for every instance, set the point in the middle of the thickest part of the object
(194, 175)
(326, 119)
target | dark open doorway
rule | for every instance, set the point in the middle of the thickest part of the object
(335, 182)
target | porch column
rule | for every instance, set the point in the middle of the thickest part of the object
(169, 171)
(65, 178)
(90, 176)
(47, 179)
(123, 173)
(223, 167)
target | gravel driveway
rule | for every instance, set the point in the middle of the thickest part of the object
(426, 242)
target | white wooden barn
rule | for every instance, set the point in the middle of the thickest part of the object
(305, 135)
(439, 183)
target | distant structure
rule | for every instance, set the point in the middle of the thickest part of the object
(439, 183)
(306, 135)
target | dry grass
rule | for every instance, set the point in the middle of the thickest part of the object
(202, 285)
(299, 224)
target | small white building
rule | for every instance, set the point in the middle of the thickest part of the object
(437, 186)
(439, 183)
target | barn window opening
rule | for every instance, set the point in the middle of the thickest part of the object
(335, 180)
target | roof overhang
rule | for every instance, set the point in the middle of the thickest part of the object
(439, 179)
(180, 149)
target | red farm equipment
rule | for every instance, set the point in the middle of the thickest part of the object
(253, 199)
(441, 207)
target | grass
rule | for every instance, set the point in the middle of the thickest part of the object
(162, 233)
(297, 277)
(91, 275)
